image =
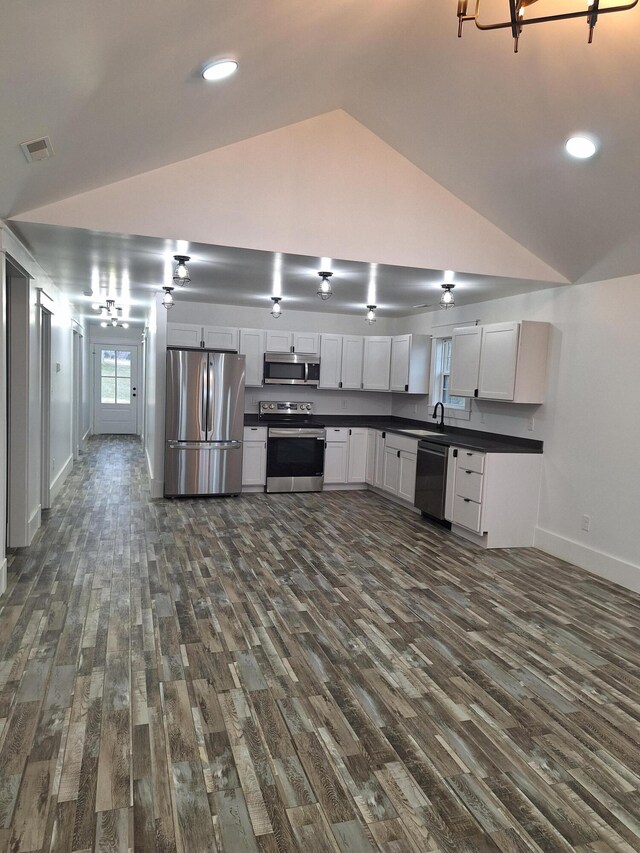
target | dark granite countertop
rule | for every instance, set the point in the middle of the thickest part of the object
(471, 439)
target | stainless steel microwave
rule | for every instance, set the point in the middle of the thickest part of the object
(290, 368)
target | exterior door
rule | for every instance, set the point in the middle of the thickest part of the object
(116, 390)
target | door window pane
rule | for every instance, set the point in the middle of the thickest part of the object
(108, 362)
(124, 390)
(108, 390)
(124, 363)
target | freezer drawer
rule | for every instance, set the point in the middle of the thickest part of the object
(203, 468)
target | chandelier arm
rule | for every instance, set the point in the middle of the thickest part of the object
(561, 17)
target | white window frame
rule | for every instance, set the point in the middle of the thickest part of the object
(463, 412)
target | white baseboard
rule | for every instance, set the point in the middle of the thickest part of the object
(3, 576)
(343, 487)
(156, 486)
(57, 484)
(34, 523)
(252, 489)
(605, 565)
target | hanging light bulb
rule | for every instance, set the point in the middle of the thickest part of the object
(167, 299)
(447, 300)
(181, 273)
(114, 321)
(276, 311)
(324, 289)
(371, 314)
(125, 325)
(95, 306)
(104, 325)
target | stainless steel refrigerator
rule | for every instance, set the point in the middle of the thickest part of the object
(204, 423)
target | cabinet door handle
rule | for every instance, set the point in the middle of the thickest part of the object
(406, 387)
(293, 349)
(350, 431)
(475, 393)
(468, 472)
(467, 500)
(398, 454)
(469, 454)
(339, 384)
(325, 445)
(384, 435)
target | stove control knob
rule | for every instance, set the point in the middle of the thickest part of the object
(271, 406)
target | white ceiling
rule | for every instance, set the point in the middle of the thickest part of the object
(117, 88)
(92, 266)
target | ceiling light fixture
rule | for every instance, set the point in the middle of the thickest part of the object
(168, 300)
(581, 147)
(276, 311)
(447, 300)
(219, 70)
(110, 309)
(517, 19)
(324, 288)
(181, 273)
(371, 314)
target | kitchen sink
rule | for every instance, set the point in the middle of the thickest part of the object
(419, 431)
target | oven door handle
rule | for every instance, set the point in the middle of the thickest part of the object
(297, 433)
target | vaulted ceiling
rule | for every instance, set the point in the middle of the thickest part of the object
(116, 86)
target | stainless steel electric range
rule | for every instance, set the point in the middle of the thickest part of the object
(295, 447)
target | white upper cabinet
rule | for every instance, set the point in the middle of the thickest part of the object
(330, 361)
(377, 364)
(465, 361)
(352, 355)
(306, 343)
(216, 337)
(500, 361)
(278, 341)
(410, 363)
(184, 335)
(252, 347)
(498, 358)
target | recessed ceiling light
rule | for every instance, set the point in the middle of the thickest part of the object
(220, 70)
(581, 147)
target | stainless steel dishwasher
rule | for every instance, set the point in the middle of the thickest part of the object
(431, 480)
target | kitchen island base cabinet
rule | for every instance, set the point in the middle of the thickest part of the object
(495, 497)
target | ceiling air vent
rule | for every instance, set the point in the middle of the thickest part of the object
(38, 149)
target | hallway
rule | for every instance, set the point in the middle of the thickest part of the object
(305, 672)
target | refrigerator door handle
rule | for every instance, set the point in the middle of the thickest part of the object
(205, 445)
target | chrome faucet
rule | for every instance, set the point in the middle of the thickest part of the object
(435, 415)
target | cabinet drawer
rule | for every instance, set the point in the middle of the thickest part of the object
(337, 433)
(469, 484)
(471, 460)
(255, 433)
(466, 513)
(401, 442)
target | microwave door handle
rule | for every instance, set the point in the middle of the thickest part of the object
(306, 372)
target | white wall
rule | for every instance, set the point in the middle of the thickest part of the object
(154, 395)
(588, 423)
(240, 316)
(61, 384)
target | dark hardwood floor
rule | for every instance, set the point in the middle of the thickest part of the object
(317, 673)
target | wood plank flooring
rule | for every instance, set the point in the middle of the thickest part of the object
(316, 673)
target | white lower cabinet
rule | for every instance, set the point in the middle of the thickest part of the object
(254, 456)
(347, 455)
(336, 455)
(358, 454)
(493, 497)
(399, 466)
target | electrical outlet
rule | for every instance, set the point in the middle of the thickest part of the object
(415, 408)
(343, 403)
(586, 523)
(481, 417)
(530, 424)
